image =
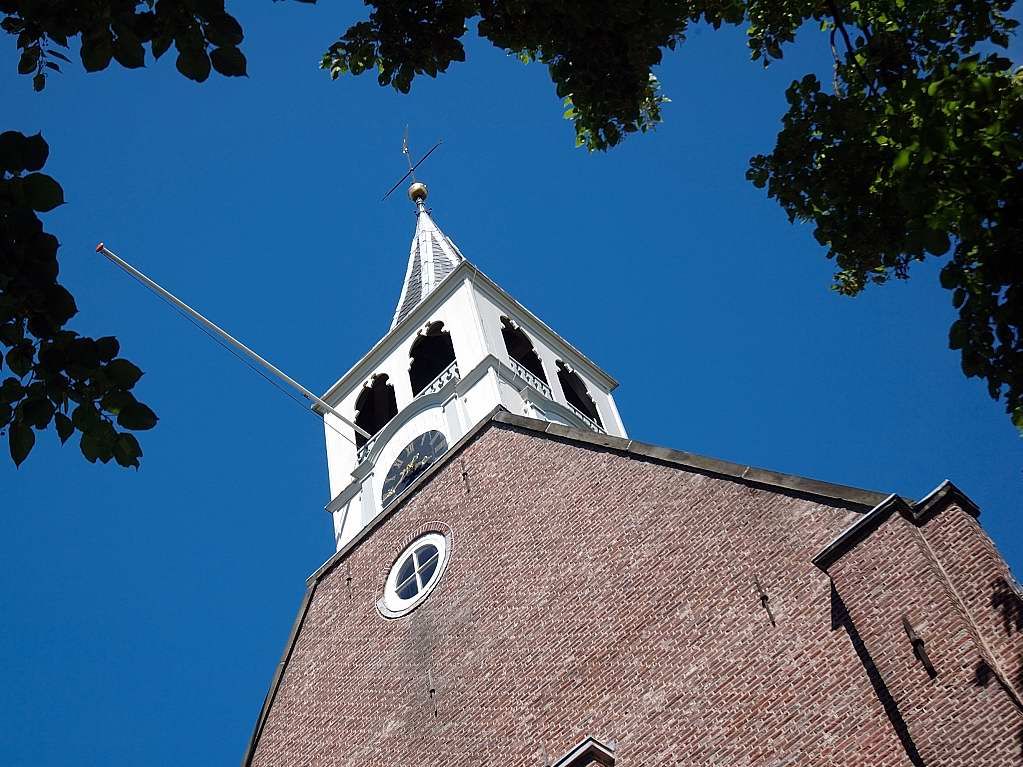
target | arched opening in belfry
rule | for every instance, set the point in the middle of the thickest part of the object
(431, 355)
(374, 407)
(576, 393)
(520, 348)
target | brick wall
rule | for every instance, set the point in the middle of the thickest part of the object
(981, 580)
(944, 717)
(590, 593)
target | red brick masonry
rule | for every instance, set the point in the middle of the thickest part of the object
(591, 592)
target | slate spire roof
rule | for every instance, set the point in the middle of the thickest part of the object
(433, 257)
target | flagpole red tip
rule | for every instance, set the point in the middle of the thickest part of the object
(99, 248)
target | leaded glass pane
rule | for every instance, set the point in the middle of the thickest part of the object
(427, 571)
(407, 568)
(425, 553)
(409, 589)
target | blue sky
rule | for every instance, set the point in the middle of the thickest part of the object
(145, 612)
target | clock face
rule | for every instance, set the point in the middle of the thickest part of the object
(416, 457)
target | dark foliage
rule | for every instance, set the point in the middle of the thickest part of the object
(58, 377)
(915, 150)
(204, 35)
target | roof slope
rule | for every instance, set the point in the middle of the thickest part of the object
(432, 257)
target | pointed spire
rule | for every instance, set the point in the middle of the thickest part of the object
(432, 257)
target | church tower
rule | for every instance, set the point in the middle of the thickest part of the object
(458, 347)
(518, 582)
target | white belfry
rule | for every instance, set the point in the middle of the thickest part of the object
(458, 347)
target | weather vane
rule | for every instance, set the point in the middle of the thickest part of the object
(411, 166)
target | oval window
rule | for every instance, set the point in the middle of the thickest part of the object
(414, 575)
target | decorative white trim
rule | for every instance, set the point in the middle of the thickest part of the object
(530, 379)
(589, 750)
(585, 418)
(363, 452)
(450, 373)
(419, 403)
(450, 395)
(390, 605)
(465, 272)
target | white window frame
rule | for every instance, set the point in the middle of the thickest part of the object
(390, 605)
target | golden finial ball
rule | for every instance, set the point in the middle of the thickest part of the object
(417, 192)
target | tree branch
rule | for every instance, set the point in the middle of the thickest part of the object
(850, 48)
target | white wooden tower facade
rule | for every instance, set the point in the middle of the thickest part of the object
(458, 347)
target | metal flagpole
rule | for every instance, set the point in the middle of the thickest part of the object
(103, 249)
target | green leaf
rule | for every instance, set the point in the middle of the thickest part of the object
(11, 390)
(160, 45)
(60, 304)
(936, 242)
(902, 159)
(194, 64)
(123, 373)
(37, 411)
(116, 400)
(137, 417)
(224, 30)
(98, 443)
(20, 359)
(85, 417)
(64, 427)
(949, 276)
(107, 347)
(21, 439)
(19, 152)
(97, 51)
(957, 335)
(83, 351)
(6, 414)
(127, 450)
(34, 152)
(229, 61)
(42, 193)
(90, 447)
(129, 52)
(12, 151)
(28, 61)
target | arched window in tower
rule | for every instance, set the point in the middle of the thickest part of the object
(576, 393)
(432, 355)
(520, 348)
(375, 406)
